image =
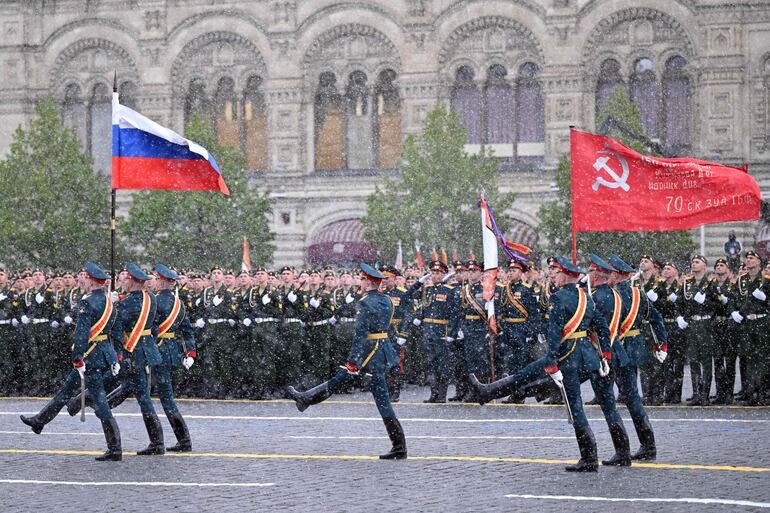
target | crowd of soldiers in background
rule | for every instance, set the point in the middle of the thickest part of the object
(259, 331)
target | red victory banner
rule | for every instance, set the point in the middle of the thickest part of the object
(615, 188)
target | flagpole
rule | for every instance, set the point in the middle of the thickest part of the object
(112, 209)
(572, 220)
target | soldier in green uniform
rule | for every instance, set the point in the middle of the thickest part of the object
(36, 319)
(697, 307)
(753, 289)
(241, 353)
(218, 318)
(673, 366)
(345, 300)
(651, 372)
(726, 342)
(12, 351)
(319, 319)
(288, 364)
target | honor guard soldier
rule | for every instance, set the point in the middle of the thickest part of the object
(218, 319)
(36, 320)
(724, 334)
(319, 321)
(571, 315)
(636, 308)
(140, 355)
(478, 348)
(402, 303)
(371, 353)
(288, 366)
(440, 316)
(92, 356)
(668, 306)
(697, 307)
(11, 377)
(751, 313)
(346, 299)
(458, 372)
(240, 378)
(651, 372)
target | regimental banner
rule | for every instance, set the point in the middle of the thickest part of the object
(615, 188)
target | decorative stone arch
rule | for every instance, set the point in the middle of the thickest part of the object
(88, 59)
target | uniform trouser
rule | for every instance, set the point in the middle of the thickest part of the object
(652, 373)
(261, 380)
(457, 367)
(317, 343)
(626, 378)
(37, 362)
(756, 348)
(436, 359)
(221, 366)
(340, 344)
(378, 387)
(700, 353)
(165, 388)
(673, 367)
(476, 350)
(94, 384)
(289, 361)
(605, 395)
(11, 381)
(725, 358)
(135, 381)
(515, 339)
(415, 357)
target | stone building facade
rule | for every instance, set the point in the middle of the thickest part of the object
(320, 93)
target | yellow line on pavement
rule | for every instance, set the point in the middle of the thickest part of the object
(490, 459)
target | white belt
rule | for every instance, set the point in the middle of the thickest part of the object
(319, 323)
(754, 317)
(7, 321)
(39, 321)
(216, 321)
(347, 319)
(292, 320)
(700, 317)
(266, 319)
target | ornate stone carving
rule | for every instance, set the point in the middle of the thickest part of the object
(489, 35)
(284, 12)
(350, 42)
(154, 20)
(88, 57)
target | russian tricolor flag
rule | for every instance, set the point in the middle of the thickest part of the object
(146, 155)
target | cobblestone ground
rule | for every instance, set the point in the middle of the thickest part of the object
(252, 456)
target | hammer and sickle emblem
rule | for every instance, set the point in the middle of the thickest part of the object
(619, 181)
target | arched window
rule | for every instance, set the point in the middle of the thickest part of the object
(74, 113)
(226, 115)
(466, 101)
(530, 112)
(388, 115)
(498, 106)
(100, 117)
(609, 78)
(645, 93)
(127, 93)
(196, 101)
(328, 123)
(677, 106)
(255, 125)
(359, 147)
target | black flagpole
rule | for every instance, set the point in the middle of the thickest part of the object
(112, 210)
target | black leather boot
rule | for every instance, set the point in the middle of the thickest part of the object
(155, 432)
(73, 405)
(495, 390)
(315, 395)
(397, 439)
(588, 461)
(179, 426)
(622, 456)
(112, 435)
(44, 416)
(647, 451)
(117, 396)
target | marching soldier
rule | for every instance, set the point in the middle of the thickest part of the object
(753, 290)
(11, 377)
(36, 318)
(288, 365)
(239, 380)
(697, 306)
(458, 370)
(402, 303)
(345, 300)
(319, 320)
(371, 353)
(724, 337)
(570, 354)
(92, 356)
(218, 318)
(651, 372)
(667, 305)
(474, 327)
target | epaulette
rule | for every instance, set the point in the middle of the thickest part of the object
(526, 284)
(49, 290)
(402, 289)
(449, 286)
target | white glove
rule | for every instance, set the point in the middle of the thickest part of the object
(14, 322)
(231, 322)
(604, 368)
(2, 296)
(416, 321)
(699, 297)
(115, 368)
(217, 300)
(39, 298)
(67, 320)
(25, 319)
(681, 322)
(723, 299)
(450, 339)
(460, 335)
(291, 296)
(349, 299)
(672, 297)
(146, 369)
(557, 377)
(759, 294)
(425, 277)
(661, 356)
(187, 362)
(448, 277)
(400, 341)
(198, 302)
(737, 317)
(114, 296)
(55, 324)
(200, 323)
(541, 338)
(266, 299)
(82, 370)
(247, 322)
(314, 302)
(332, 320)
(652, 295)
